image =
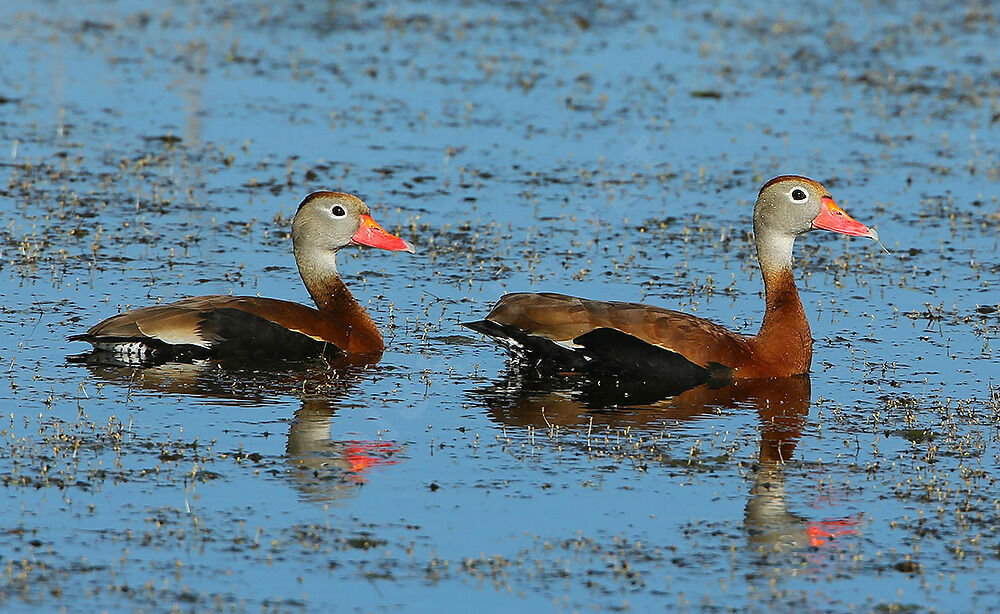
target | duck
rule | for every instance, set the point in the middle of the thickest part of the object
(255, 328)
(674, 349)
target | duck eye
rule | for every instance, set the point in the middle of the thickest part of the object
(338, 211)
(799, 195)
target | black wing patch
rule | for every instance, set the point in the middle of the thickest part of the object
(625, 363)
(239, 334)
(613, 351)
(233, 335)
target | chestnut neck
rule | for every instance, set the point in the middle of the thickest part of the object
(329, 292)
(784, 337)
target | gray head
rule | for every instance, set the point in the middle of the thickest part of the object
(330, 221)
(792, 205)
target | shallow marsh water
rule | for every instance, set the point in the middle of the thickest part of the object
(607, 150)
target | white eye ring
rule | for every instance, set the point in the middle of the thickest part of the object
(338, 211)
(798, 195)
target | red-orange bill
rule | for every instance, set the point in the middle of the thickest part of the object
(373, 235)
(831, 217)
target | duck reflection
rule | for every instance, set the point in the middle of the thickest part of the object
(320, 468)
(782, 406)
(324, 469)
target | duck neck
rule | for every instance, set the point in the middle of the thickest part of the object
(322, 279)
(784, 335)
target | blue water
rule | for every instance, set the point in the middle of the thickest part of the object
(610, 151)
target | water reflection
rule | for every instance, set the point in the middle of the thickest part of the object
(782, 406)
(325, 469)
(320, 468)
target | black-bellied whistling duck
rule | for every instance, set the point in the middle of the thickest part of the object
(254, 328)
(578, 334)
